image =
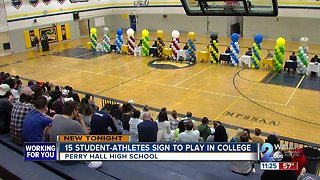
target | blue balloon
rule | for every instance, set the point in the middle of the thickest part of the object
(119, 32)
(235, 37)
(258, 38)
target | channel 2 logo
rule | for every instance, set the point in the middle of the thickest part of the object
(268, 156)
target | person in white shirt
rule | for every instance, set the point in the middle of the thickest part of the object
(163, 127)
(189, 135)
(134, 121)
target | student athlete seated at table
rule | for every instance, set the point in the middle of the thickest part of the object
(140, 43)
(227, 50)
(293, 57)
(185, 47)
(315, 59)
(155, 44)
(269, 55)
(249, 52)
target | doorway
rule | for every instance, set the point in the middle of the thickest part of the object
(84, 26)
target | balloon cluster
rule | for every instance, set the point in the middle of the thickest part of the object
(302, 60)
(175, 43)
(130, 34)
(145, 42)
(106, 41)
(160, 43)
(256, 51)
(119, 40)
(93, 39)
(214, 48)
(191, 47)
(279, 52)
(234, 49)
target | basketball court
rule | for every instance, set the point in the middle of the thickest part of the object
(238, 97)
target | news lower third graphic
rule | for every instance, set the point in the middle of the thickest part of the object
(118, 148)
(272, 157)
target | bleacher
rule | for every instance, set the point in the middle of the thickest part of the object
(12, 166)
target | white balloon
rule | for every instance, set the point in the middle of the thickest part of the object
(304, 41)
(300, 48)
(175, 34)
(130, 32)
(106, 30)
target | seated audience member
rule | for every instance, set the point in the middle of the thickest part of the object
(204, 129)
(56, 103)
(269, 55)
(227, 50)
(249, 52)
(126, 115)
(163, 126)
(247, 130)
(65, 123)
(101, 121)
(220, 134)
(188, 117)
(280, 174)
(145, 109)
(147, 130)
(134, 121)
(299, 157)
(173, 119)
(237, 136)
(91, 102)
(189, 135)
(36, 122)
(293, 57)
(5, 108)
(85, 111)
(255, 138)
(243, 167)
(18, 114)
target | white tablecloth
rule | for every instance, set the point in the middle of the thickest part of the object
(313, 67)
(183, 54)
(246, 60)
(138, 51)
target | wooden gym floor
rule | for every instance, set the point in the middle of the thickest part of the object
(204, 89)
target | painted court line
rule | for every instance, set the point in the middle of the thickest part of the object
(119, 66)
(167, 85)
(295, 89)
(193, 75)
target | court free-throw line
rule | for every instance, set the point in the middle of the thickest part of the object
(295, 89)
(193, 75)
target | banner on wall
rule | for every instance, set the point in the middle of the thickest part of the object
(49, 33)
(34, 3)
(46, 2)
(61, 1)
(16, 3)
(63, 32)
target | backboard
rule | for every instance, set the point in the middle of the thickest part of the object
(230, 8)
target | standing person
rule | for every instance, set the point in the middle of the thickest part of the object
(173, 119)
(220, 134)
(189, 135)
(36, 42)
(36, 122)
(148, 129)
